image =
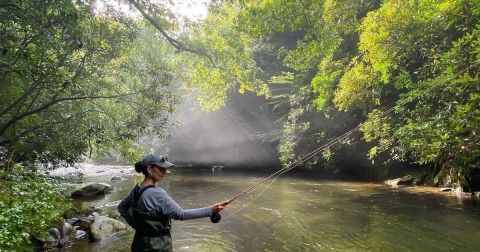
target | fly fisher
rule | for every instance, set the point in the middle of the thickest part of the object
(149, 209)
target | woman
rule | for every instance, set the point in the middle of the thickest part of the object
(149, 209)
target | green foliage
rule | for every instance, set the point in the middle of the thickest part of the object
(358, 87)
(403, 35)
(30, 203)
(75, 83)
(294, 128)
(324, 83)
(229, 64)
(437, 119)
(359, 57)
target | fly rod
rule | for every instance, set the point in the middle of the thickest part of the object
(215, 218)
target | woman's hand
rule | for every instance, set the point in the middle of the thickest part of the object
(218, 207)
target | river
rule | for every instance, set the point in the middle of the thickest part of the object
(301, 214)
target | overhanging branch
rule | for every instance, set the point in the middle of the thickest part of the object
(53, 102)
(175, 43)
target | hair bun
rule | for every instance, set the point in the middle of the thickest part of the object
(138, 166)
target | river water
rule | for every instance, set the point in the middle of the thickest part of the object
(302, 214)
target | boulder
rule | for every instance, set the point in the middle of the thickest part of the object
(63, 243)
(405, 180)
(105, 226)
(72, 221)
(84, 224)
(55, 233)
(92, 190)
(79, 234)
(67, 229)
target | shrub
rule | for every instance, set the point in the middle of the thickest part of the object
(30, 202)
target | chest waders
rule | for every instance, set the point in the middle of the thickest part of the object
(152, 229)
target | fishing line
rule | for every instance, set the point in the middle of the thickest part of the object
(311, 154)
(299, 161)
(277, 174)
(254, 198)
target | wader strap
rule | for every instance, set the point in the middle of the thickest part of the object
(136, 196)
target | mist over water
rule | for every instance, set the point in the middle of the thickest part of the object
(242, 134)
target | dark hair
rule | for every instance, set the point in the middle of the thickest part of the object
(139, 167)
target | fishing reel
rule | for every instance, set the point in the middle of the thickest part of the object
(215, 218)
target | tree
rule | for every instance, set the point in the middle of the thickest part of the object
(73, 83)
(352, 60)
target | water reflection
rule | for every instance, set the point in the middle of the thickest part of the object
(297, 214)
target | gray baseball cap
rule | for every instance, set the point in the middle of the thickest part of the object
(156, 160)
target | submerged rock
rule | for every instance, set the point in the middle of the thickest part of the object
(117, 178)
(93, 190)
(105, 226)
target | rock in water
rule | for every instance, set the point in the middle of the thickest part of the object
(406, 180)
(93, 190)
(55, 233)
(105, 226)
(117, 178)
(79, 234)
(67, 229)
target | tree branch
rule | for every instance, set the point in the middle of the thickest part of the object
(37, 83)
(175, 43)
(27, 131)
(53, 102)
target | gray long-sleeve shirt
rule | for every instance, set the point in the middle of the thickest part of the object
(157, 199)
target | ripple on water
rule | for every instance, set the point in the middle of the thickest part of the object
(197, 239)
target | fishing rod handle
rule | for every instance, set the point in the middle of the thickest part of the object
(216, 217)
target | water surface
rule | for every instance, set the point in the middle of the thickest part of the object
(300, 214)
